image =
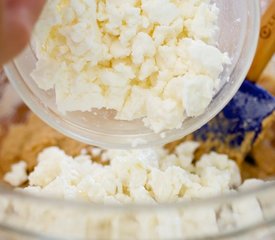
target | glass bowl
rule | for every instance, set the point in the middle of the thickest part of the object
(232, 217)
(31, 217)
(239, 27)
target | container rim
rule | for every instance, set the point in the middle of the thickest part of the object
(194, 203)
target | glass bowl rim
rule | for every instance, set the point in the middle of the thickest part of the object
(268, 185)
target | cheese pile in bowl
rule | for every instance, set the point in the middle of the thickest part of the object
(131, 178)
(154, 60)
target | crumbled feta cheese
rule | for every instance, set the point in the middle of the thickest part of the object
(163, 12)
(165, 114)
(154, 60)
(185, 153)
(203, 219)
(147, 176)
(17, 175)
(203, 25)
(96, 151)
(143, 46)
(48, 167)
(247, 211)
(219, 163)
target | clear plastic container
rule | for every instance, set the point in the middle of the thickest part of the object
(239, 26)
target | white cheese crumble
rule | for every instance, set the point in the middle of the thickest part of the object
(17, 175)
(148, 176)
(154, 60)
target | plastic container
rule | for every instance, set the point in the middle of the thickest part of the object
(239, 27)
